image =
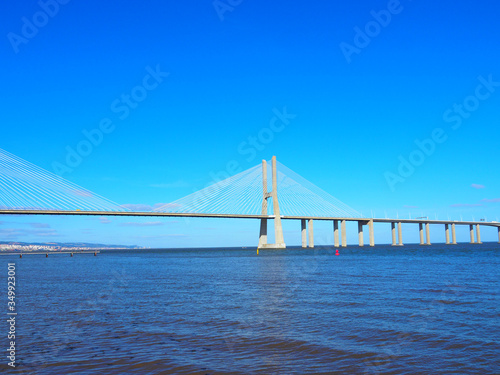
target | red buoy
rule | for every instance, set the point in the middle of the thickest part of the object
(337, 252)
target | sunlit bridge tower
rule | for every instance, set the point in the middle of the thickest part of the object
(278, 229)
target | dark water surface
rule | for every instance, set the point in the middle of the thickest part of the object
(411, 310)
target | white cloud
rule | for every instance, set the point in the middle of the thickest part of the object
(159, 236)
(39, 225)
(147, 224)
(494, 200)
(12, 233)
(477, 186)
(139, 207)
(466, 205)
(170, 185)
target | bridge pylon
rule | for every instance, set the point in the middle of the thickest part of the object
(278, 229)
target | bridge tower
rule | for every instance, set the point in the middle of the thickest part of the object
(278, 229)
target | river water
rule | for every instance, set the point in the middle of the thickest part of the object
(409, 310)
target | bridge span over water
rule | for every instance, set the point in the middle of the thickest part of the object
(339, 236)
(29, 190)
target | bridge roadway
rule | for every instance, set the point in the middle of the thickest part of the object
(240, 216)
(309, 219)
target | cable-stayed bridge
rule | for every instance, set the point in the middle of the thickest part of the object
(262, 192)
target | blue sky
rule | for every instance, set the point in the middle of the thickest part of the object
(368, 81)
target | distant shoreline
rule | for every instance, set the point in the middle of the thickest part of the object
(18, 247)
(43, 249)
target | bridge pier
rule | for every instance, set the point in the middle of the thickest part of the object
(304, 234)
(343, 233)
(335, 233)
(278, 229)
(360, 233)
(421, 232)
(471, 230)
(447, 233)
(307, 230)
(370, 231)
(311, 234)
(263, 233)
(427, 234)
(453, 234)
(400, 234)
(498, 234)
(393, 230)
(478, 234)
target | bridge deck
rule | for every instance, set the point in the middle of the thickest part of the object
(237, 216)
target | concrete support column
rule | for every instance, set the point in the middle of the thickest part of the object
(421, 231)
(360, 233)
(263, 222)
(478, 234)
(303, 231)
(343, 233)
(471, 229)
(427, 233)
(263, 233)
(400, 234)
(498, 234)
(447, 233)
(278, 229)
(393, 230)
(336, 233)
(311, 234)
(453, 235)
(372, 235)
